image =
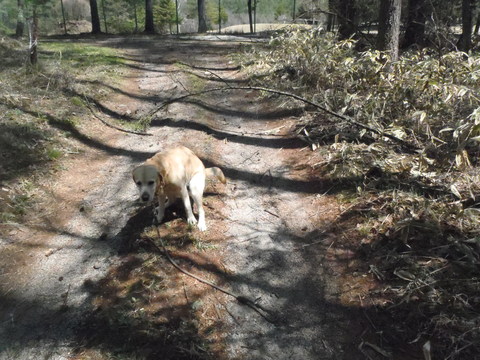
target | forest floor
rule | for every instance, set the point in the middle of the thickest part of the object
(80, 278)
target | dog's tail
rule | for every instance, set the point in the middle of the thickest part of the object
(216, 172)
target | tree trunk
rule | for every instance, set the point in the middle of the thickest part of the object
(418, 12)
(477, 25)
(176, 16)
(20, 18)
(255, 16)
(104, 17)
(135, 16)
(95, 18)
(250, 18)
(33, 35)
(331, 15)
(465, 41)
(63, 17)
(202, 17)
(346, 18)
(389, 27)
(149, 26)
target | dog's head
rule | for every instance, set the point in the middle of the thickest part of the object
(148, 179)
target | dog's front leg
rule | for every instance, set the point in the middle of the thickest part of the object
(188, 206)
(160, 209)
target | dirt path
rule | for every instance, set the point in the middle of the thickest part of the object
(262, 224)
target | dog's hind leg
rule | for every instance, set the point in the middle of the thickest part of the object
(188, 206)
(196, 187)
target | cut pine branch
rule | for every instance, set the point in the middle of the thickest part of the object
(408, 146)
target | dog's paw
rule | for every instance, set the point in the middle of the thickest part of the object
(191, 220)
(202, 226)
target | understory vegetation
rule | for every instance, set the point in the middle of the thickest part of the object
(415, 202)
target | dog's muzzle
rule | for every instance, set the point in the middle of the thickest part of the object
(145, 197)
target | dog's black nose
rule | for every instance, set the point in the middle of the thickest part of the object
(145, 197)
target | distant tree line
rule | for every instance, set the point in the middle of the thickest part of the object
(406, 23)
(399, 23)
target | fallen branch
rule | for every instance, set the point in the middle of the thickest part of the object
(111, 125)
(405, 144)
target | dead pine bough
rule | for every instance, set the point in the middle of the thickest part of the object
(350, 120)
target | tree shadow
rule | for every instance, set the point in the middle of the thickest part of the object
(73, 131)
(267, 114)
(117, 314)
(419, 269)
(302, 306)
(165, 330)
(238, 137)
(22, 145)
(114, 327)
(130, 311)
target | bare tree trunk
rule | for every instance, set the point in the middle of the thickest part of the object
(135, 16)
(331, 15)
(95, 18)
(104, 17)
(465, 41)
(389, 27)
(255, 16)
(63, 16)
(250, 18)
(418, 12)
(202, 16)
(219, 17)
(176, 16)
(149, 25)
(477, 25)
(33, 35)
(20, 18)
(346, 18)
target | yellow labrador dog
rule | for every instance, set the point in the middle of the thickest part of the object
(175, 173)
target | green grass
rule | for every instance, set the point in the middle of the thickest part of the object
(202, 245)
(80, 56)
(17, 202)
(77, 101)
(54, 154)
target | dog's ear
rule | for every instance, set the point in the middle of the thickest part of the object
(134, 172)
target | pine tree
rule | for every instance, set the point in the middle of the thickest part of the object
(164, 15)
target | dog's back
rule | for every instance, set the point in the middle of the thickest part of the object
(177, 165)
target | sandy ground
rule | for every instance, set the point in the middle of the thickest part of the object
(273, 214)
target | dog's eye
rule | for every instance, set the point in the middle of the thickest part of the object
(139, 183)
(151, 182)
